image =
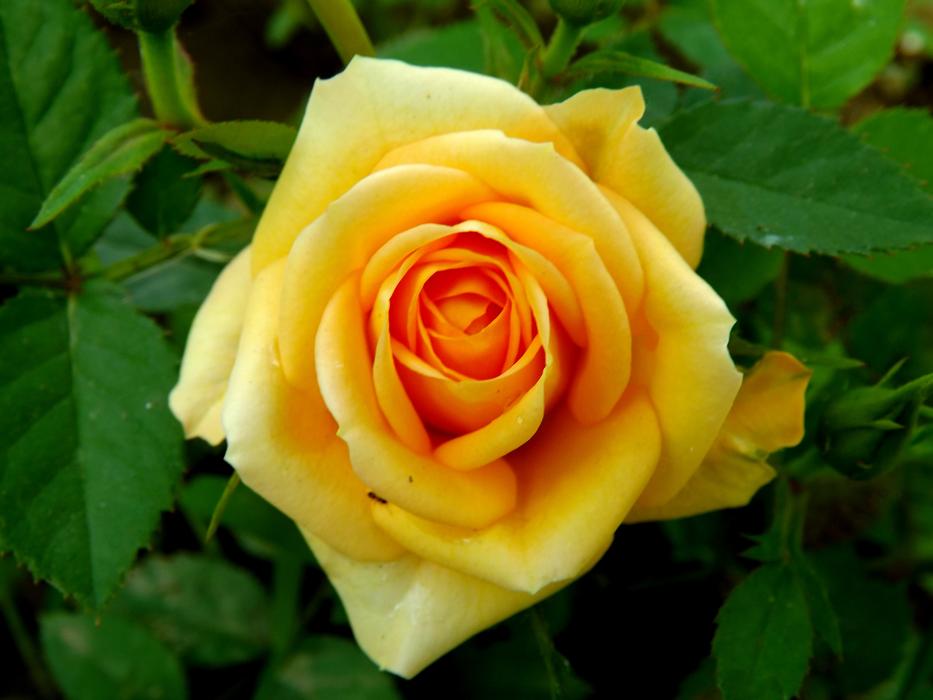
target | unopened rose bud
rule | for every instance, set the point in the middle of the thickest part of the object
(142, 15)
(866, 429)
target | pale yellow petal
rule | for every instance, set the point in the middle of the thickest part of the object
(283, 442)
(689, 374)
(373, 106)
(767, 416)
(633, 162)
(576, 484)
(408, 613)
(211, 350)
(387, 466)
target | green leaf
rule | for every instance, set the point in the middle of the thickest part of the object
(614, 61)
(874, 619)
(208, 611)
(457, 45)
(120, 151)
(516, 18)
(763, 637)
(795, 180)
(817, 54)
(61, 89)
(738, 271)
(115, 659)
(164, 194)
(259, 528)
(822, 615)
(326, 668)
(690, 30)
(89, 452)
(905, 135)
(260, 147)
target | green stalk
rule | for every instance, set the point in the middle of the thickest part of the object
(560, 48)
(343, 26)
(169, 80)
(27, 650)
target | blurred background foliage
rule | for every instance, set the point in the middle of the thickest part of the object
(822, 588)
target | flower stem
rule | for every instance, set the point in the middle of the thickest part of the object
(560, 48)
(343, 26)
(169, 80)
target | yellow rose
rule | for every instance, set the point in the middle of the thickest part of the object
(467, 343)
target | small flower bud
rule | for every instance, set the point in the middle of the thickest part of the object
(142, 15)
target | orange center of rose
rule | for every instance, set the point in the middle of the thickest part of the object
(464, 335)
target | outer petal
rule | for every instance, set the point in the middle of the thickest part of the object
(373, 106)
(283, 443)
(576, 484)
(198, 397)
(633, 162)
(407, 613)
(767, 415)
(682, 356)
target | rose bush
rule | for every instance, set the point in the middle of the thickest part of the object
(468, 342)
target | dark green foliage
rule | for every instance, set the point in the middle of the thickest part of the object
(61, 89)
(89, 453)
(114, 660)
(329, 668)
(207, 611)
(796, 181)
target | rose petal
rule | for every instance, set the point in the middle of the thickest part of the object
(604, 368)
(690, 377)
(535, 174)
(211, 350)
(347, 235)
(576, 484)
(767, 415)
(407, 613)
(632, 161)
(284, 445)
(389, 468)
(373, 106)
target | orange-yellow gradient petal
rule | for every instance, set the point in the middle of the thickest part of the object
(198, 398)
(390, 468)
(633, 162)
(687, 370)
(343, 239)
(576, 484)
(284, 445)
(373, 106)
(767, 416)
(407, 613)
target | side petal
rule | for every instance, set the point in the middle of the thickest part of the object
(283, 442)
(576, 484)
(767, 416)
(373, 106)
(632, 161)
(687, 369)
(407, 613)
(198, 397)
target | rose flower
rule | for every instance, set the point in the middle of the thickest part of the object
(468, 342)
